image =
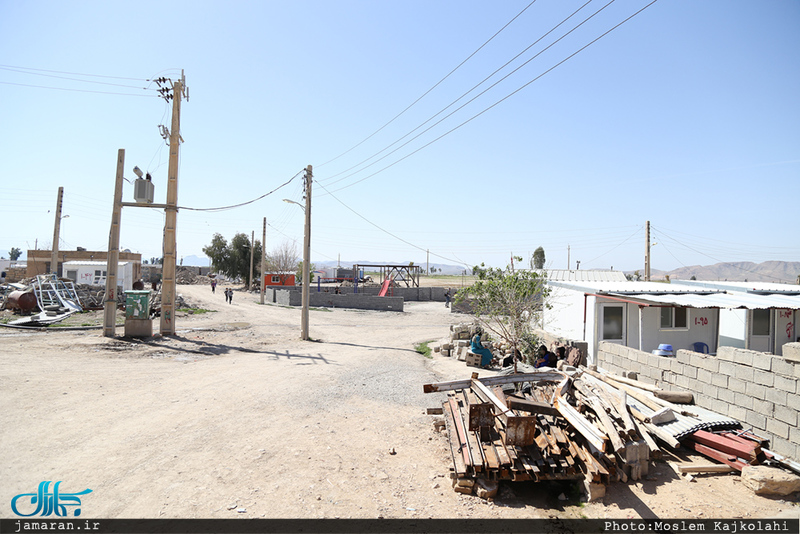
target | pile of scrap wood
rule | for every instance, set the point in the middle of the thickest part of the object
(533, 426)
(577, 424)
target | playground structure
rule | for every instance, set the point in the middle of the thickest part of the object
(392, 275)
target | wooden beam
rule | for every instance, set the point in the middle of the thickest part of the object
(544, 376)
(610, 428)
(456, 448)
(710, 468)
(584, 427)
(525, 405)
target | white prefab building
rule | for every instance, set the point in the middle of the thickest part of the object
(645, 315)
(94, 273)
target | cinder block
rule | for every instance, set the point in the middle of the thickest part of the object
(744, 357)
(710, 363)
(726, 395)
(786, 414)
(756, 419)
(720, 380)
(778, 428)
(786, 384)
(737, 412)
(743, 372)
(785, 447)
(726, 368)
(697, 360)
(755, 390)
(682, 381)
(704, 376)
(762, 361)
(716, 405)
(654, 361)
(675, 366)
(780, 366)
(763, 407)
(765, 378)
(778, 396)
(684, 356)
(710, 390)
(794, 435)
(690, 371)
(726, 353)
(734, 384)
(745, 401)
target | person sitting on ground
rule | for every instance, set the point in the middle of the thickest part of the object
(561, 354)
(476, 347)
(545, 358)
(510, 358)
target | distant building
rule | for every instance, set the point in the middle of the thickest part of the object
(279, 279)
(39, 260)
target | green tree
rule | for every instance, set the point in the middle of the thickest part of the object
(299, 272)
(283, 260)
(537, 260)
(233, 259)
(506, 302)
(14, 253)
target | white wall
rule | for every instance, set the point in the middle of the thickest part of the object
(732, 328)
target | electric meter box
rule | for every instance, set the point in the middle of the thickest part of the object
(143, 191)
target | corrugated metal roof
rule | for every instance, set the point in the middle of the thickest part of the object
(747, 287)
(92, 263)
(680, 294)
(585, 275)
(685, 425)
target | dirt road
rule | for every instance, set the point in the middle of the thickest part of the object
(236, 417)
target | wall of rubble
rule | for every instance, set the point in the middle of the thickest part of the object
(760, 390)
(409, 294)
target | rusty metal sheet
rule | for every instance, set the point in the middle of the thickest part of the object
(480, 416)
(520, 430)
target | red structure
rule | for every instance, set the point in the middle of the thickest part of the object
(278, 279)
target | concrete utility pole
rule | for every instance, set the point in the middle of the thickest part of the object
(568, 257)
(56, 232)
(263, 258)
(168, 282)
(306, 259)
(112, 262)
(647, 253)
(252, 256)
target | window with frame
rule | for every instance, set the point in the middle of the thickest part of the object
(276, 279)
(612, 322)
(674, 317)
(761, 322)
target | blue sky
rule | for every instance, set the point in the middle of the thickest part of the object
(686, 115)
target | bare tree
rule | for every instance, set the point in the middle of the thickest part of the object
(283, 260)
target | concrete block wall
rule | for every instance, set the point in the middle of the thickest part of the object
(760, 390)
(358, 301)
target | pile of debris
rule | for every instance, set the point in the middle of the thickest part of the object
(189, 276)
(578, 424)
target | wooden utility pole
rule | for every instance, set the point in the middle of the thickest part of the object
(168, 282)
(307, 259)
(56, 232)
(263, 258)
(112, 261)
(647, 253)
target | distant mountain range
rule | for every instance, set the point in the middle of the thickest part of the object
(742, 271)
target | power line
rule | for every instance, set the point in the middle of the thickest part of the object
(75, 79)
(78, 90)
(223, 208)
(469, 91)
(387, 231)
(432, 88)
(492, 106)
(75, 73)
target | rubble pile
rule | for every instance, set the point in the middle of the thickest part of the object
(578, 424)
(188, 276)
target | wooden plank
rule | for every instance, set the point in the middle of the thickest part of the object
(711, 468)
(461, 432)
(435, 411)
(655, 450)
(478, 461)
(456, 447)
(586, 429)
(543, 376)
(663, 435)
(681, 397)
(516, 403)
(622, 409)
(611, 430)
(486, 395)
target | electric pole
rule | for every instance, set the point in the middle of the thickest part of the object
(56, 232)
(263, 259)
(168, 282)
(568, 257)
(647, 253)
(252, 256)
(307, 259)
(112, 261)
